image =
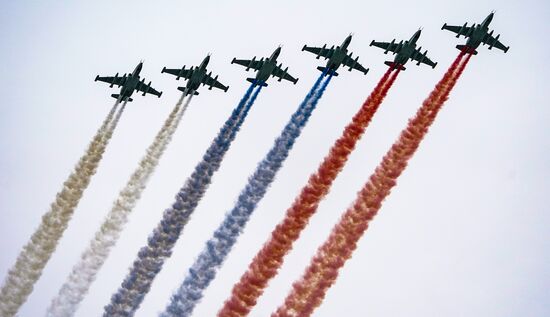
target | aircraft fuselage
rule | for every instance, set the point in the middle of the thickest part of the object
(479, 32)
(407, 49)
(198, 74)
(268, 67)
(339, 55)
(131, 83)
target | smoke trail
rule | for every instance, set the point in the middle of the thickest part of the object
(84, 272)
(36, 253)
(270, 258)
(218, 247)
(161, 242)
(309, 291)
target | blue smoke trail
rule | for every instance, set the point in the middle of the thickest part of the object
(218, 247)
(161, 242)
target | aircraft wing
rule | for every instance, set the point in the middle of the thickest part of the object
(422, 58)
(319, 51)
(179, 72)
(282, 74)
(459, 30)
(116, 80)
(254, 64)
(354, 64)
(213, 82)
(147, 89)
(494, 42)
(392, 47)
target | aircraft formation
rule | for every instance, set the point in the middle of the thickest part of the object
(336, 56)
(324, 267)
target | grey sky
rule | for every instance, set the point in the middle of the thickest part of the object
(465, 232)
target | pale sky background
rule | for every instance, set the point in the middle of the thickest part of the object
(465, 232)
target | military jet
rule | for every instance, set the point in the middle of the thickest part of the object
(336, 57)
(266, 68)
(129, 83)
(476, 34)
(196, 76)
(405, 51)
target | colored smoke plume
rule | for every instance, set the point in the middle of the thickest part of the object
(151, 257)
(270, 258)
(92, 259)
(308, 292)
(203, 271)
(37, 252)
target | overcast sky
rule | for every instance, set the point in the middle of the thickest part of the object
(465, 232)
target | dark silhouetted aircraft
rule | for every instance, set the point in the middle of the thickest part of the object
(476, 34)
(336, 57)
(266, 67)
(405, 51)
(129, 83)
(196, 76)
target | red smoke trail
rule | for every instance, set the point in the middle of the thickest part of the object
(309, 291)
(270, 258)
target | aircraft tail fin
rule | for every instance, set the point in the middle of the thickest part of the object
(184, 89)
(323, 69)
(257, 82)
(467, 49)
(395, 65)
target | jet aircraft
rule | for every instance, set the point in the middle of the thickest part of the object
(405, 51)
(196, 76)
(477, 34)
(266, 68)
(336, 56)
(129, 83)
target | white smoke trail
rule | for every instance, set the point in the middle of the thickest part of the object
(85, 271)
(31, 261)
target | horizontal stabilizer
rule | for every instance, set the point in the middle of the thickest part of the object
(323, 69)
(467, 49)
(257, 82)
(395, 65)
(116, 96)
(184, 89)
